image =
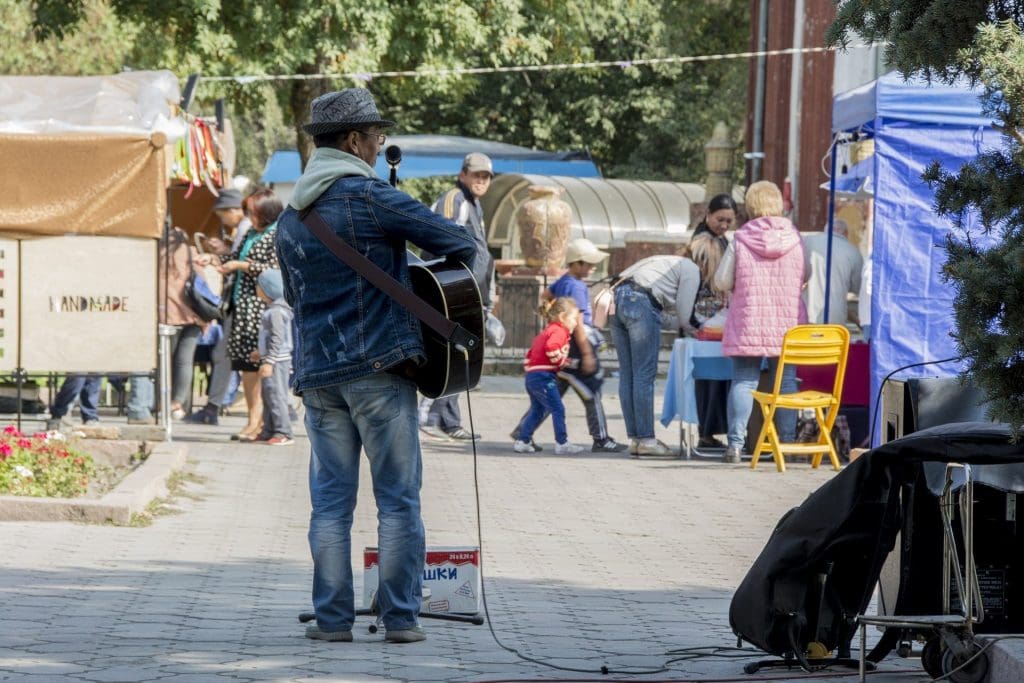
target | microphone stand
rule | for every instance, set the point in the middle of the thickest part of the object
(393, 157)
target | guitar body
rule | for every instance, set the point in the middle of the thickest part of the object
(450, 289)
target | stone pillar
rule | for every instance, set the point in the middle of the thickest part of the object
(719, 155)
(520, 297)
(643, 243)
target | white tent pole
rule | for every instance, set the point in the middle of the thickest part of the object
(831, 221)
(795, 106)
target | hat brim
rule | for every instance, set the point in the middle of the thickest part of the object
(590, 257)
(325, 127)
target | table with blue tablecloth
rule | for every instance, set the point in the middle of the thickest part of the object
(691, 360)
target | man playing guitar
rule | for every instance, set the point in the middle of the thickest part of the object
(356, 349)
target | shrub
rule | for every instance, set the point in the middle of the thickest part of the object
(42, 464)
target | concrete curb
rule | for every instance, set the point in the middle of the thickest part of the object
(1005, 661)
(132, 495)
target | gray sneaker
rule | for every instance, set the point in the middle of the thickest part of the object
(732, 455)
(315, 633)
(434, 432)
(406, 635)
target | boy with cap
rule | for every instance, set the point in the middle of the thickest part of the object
(274, 354)
(584, 373)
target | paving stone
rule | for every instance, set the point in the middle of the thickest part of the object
(587, 560)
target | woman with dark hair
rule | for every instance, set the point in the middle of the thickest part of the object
(253, 255)
(706, 248)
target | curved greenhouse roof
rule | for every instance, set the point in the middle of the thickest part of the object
(603, 210)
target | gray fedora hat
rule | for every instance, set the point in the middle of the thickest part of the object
(346, 109)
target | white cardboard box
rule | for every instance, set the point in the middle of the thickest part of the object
(451, 577)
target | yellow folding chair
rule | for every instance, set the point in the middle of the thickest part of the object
(805, 345)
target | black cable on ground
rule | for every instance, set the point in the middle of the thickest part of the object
(604, 669)
(676, 655)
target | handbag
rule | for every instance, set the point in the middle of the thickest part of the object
(201, 299)
(495, 329)
(603, 307)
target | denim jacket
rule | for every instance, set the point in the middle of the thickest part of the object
(347, 328)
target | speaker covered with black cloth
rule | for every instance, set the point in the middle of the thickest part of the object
(819, 568)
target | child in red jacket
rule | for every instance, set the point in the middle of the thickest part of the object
(548, 354)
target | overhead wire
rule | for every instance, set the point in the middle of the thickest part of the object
(244, 79)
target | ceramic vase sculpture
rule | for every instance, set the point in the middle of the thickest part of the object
(544, 227)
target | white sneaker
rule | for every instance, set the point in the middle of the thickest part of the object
(568, 449)
(652, 447)
(524, 447)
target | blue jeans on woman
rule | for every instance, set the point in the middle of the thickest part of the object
(376, 413)
(544, 399)
(636, 332)
(746, 372)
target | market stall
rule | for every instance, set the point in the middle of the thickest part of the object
(913, 123)
(87, 163)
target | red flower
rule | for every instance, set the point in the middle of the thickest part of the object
(5, 449)
(12, 430)
(24, 443)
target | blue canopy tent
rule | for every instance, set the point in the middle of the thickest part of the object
(913, 124)
(431, 155)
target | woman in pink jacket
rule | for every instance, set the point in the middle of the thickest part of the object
(764, 269)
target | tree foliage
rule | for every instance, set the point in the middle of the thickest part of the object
(646, 122)
(981, 40)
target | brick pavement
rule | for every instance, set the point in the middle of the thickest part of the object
(590, 561)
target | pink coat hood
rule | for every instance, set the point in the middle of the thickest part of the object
(769, 236)
(769, 277)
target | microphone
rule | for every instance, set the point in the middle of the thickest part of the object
(393, 155)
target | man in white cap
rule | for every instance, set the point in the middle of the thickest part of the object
(441, 418)
(584, 373)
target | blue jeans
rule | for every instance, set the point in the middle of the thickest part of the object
(184, 353)
(746, 371)
(636, 331)
(378, 414)
(544, 400)
(86, 389)
(140, 397)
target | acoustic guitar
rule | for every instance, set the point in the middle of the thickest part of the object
(445, 299)
(450, 289)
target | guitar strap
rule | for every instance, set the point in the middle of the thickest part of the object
(453, 333)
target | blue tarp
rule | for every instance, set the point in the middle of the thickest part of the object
(915, 101)
(431, 155)
(913, 125)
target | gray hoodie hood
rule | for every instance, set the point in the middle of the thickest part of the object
(324, 167)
